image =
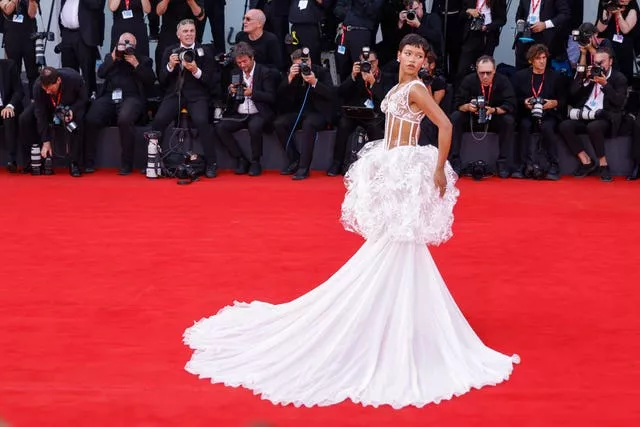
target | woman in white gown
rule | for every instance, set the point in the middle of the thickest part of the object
(384, 328)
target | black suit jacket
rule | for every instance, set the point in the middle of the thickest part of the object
(552, 88)
(321, 99)
(72, 94)
(143, 74)
(10, 84)
(558, 11)
(615, 97)
(498, 18)
(91, 19)
(192, 89)
(502, 93)
(263, 92)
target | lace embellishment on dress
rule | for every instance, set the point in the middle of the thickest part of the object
(402, 126)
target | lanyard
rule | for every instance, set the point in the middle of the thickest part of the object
(56, 103)
(127, 3)
(479, 5)
(539, 91)
(487, 95)
(534, 6)
(344, 30)
(617, 25)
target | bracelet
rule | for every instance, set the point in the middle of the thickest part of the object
(201, 14)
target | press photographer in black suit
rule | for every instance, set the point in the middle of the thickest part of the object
(11, 95)
(60, 94)
(547, 19)
(597, 98)
(362, 89)
(256, 109)
(500, 104)
(538, 83)
(304, 77)
(127, 77)
(189, 82)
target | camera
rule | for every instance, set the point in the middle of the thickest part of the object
(411, 15)
(125, 49)
(537, 104)
(595, 71)
(224, 59)
(523, 31)
(38, 42)
(583, 34)
(425, 76)
(481, 105)
(61, 113)
(611, 5)
(477, 23)
(185, 54)
(584, 114)
(305, 68)
(365, 65)
(238, 84)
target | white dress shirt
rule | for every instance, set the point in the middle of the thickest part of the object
(248, 106)
(596, 99)
(69, 15)
(534, 15)
(198, 72)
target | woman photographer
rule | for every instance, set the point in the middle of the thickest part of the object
(482, 20)
(128, 17)
(616, 22)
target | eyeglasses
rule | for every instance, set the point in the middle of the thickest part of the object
(246, 18)
(485, 73)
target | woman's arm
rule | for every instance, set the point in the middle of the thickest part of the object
(146, 6)
(626, 24)
(114, 5)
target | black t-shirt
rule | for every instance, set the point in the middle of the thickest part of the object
(176, 12)
(267, 49)
(120, 77)
(24, 28)
(135, 6)
(438, 83)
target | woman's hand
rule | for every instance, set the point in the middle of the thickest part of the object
(440, 180)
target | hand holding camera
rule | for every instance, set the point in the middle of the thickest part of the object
(46, 151)
(355, 70)
(293, 72)
(310, 78)
(474, 13)
(174, 60)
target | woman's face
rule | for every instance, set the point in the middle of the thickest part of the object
(411, 59)
(624, 2)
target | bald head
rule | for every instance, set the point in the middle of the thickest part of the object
(127, 36)
(253, 22)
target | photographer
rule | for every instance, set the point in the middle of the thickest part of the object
(127, 76)
(266, 46)
(59, 98)
(413, 20)
(437, 87)
(189, 76)
(616, 21)
(308, 94)
(253, 99)
(538, 90)
(128, 17)
(364, 88)
(544, 22)
(597, 97)
(19, 25)
(483, 20)
(305, 22)
(11, 98)
(487, 99)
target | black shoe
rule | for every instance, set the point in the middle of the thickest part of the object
(89, 168)
(334, 170)
(211, 171)
(125, 170)
(503, 172)
(291, 169)
(74, 170)
(584, 170)
(242, 166)
(635, 173)
(301, 174)
(520, 173)
(12, 167)
(25, 170)
(605, 174)
(255, 169)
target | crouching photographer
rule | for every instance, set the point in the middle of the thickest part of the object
(60, 99)
(597, 96)
(363, 90)
(538, 90)
(127, 76)
(487, 100)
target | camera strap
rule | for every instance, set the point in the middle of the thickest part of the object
(537, 93)
(487, 96)
(480, 4)
(54, 102)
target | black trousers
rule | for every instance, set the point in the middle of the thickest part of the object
(550, 141)
(346, 126)
(310, 124)
(453, 42)
(102, 113)
(76, 54)
(635, 142)
(476, 45)
(215, 13)
(11, 135)
(503, 124)
(596, 129)
(198, 111)
(354, 41)
(309, 36)
(21, 48)
(165, 39)
(65, 143)
(255, 123)
(154, 22)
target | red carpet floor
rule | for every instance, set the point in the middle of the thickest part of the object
(99, 277)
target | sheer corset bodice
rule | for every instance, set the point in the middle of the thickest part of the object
(402, 125)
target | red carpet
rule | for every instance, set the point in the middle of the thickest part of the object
(99, 277)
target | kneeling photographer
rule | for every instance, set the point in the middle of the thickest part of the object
(365, 90)
(486, 100)
(252, 98)
(539, 91)
(597, 97)
(127, 77)
(60, 99)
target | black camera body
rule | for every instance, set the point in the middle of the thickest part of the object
(60, 114)
(426, 77)
(125, 49)
(480, 103)
(305, 68)
(224, 59)
(595, 71)
(238, 84)
(583, 34)
(537, 106)
(477, 23)
(523, 31)
(411, 15)
(611, 5)
(185, 54)
(365, 64)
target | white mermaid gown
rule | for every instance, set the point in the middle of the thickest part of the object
(384, 328)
